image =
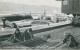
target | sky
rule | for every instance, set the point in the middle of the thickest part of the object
(52, 3)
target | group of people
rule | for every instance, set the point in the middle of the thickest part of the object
(21, 37)
(27, 34)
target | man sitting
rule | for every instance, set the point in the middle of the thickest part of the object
(16, 37)
(70, 40)
(27, 35)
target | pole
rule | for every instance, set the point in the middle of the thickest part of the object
(4, 22)
(44, 13)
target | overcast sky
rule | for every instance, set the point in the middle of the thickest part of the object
(52, 3)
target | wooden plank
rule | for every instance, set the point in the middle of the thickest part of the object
(73, 7)
(76, 7)
(65, 6)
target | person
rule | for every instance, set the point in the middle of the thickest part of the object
(70, 40)
(27, 35)
(4, 20)
(16, 37)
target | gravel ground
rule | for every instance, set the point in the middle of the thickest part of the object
(56, 37)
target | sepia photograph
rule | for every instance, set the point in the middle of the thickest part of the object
(39, 24)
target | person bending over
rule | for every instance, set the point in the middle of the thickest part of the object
(16, 37)
(70, 40)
